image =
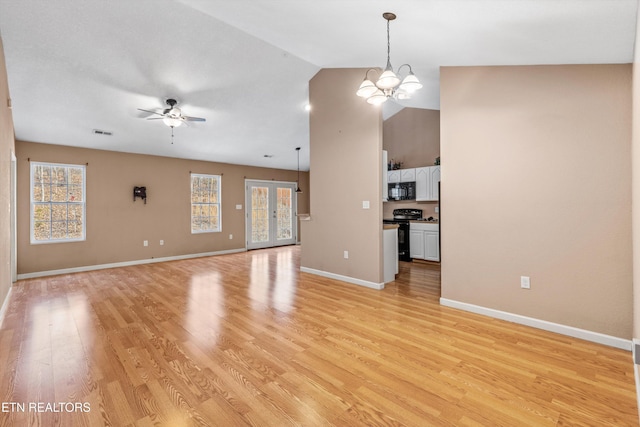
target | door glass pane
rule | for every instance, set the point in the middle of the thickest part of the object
(284, 214)
(259, 214)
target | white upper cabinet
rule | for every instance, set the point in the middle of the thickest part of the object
(434, 181)
(407, 175)
(393, 176)
(427, 179)
(422, 180)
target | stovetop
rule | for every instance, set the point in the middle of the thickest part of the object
(407, 214)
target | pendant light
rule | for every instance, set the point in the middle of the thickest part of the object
(298, 190)
(389, 84)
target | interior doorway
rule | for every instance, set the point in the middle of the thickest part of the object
(271, 214)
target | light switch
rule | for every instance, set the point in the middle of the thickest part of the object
(365, 204)
(239, 207)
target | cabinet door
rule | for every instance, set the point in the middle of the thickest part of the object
(416, 244)
(407, 175)
(423, 185)
(431, 247)
(434, 179)
(393, 176)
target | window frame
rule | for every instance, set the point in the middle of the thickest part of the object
(218, 179)
(32, 204)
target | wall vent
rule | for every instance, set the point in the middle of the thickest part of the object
(102, 132)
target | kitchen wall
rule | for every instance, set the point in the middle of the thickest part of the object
(346, 159)
(538, 183)
(6, 153)
(412, 136)
(116, 225)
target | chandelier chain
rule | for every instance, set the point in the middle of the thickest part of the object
(388, 46)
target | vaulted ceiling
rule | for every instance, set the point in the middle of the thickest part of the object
(244, 65)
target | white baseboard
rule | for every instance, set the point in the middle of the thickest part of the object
(596, 337)
(123, 264)
(347, 279)
(5, 304)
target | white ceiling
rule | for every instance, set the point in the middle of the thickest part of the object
(244, 65)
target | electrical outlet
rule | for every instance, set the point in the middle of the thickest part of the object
(525, 282)
(161, 242)
(239, 207)
(145, 243)
(346, 254)
(437, 209)
(230, 236)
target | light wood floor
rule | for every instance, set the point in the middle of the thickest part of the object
(247, 339)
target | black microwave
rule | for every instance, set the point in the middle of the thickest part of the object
(402, 191)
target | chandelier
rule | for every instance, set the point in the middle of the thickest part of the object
(389, 84)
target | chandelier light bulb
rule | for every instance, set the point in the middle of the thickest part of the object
(388, 80)
(377, 98)
(366, 89)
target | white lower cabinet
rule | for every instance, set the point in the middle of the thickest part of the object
(424, 241)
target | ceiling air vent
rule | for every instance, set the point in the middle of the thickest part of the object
(102, 132)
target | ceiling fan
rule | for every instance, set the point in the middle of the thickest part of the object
(172, 116)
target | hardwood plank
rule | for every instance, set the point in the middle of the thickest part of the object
(248, 339)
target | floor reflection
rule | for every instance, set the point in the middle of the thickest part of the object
(272, 282)
(205, 306)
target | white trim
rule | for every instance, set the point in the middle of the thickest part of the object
(541, 324)
(348, 279)
(5, 305)
(123, 264)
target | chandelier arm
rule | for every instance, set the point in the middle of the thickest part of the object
(366, 75)
(405, 65)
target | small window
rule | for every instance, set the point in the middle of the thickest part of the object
(57, 203)
(205, 203)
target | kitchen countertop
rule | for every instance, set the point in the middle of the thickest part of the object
(389, 226)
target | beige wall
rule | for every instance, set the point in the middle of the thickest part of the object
(346, 169)
(117, 226)
(538, 183)
(6, 151)
(412, 136)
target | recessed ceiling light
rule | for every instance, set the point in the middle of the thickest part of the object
(307, 107)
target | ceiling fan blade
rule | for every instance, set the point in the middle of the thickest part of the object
(194, 119)
(152, 112)
(155, 118)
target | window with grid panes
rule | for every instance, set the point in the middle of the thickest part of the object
(58, 208)
(205, 203)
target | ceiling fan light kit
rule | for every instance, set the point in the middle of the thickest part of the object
(389, 84)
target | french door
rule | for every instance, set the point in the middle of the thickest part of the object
(271, 214)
